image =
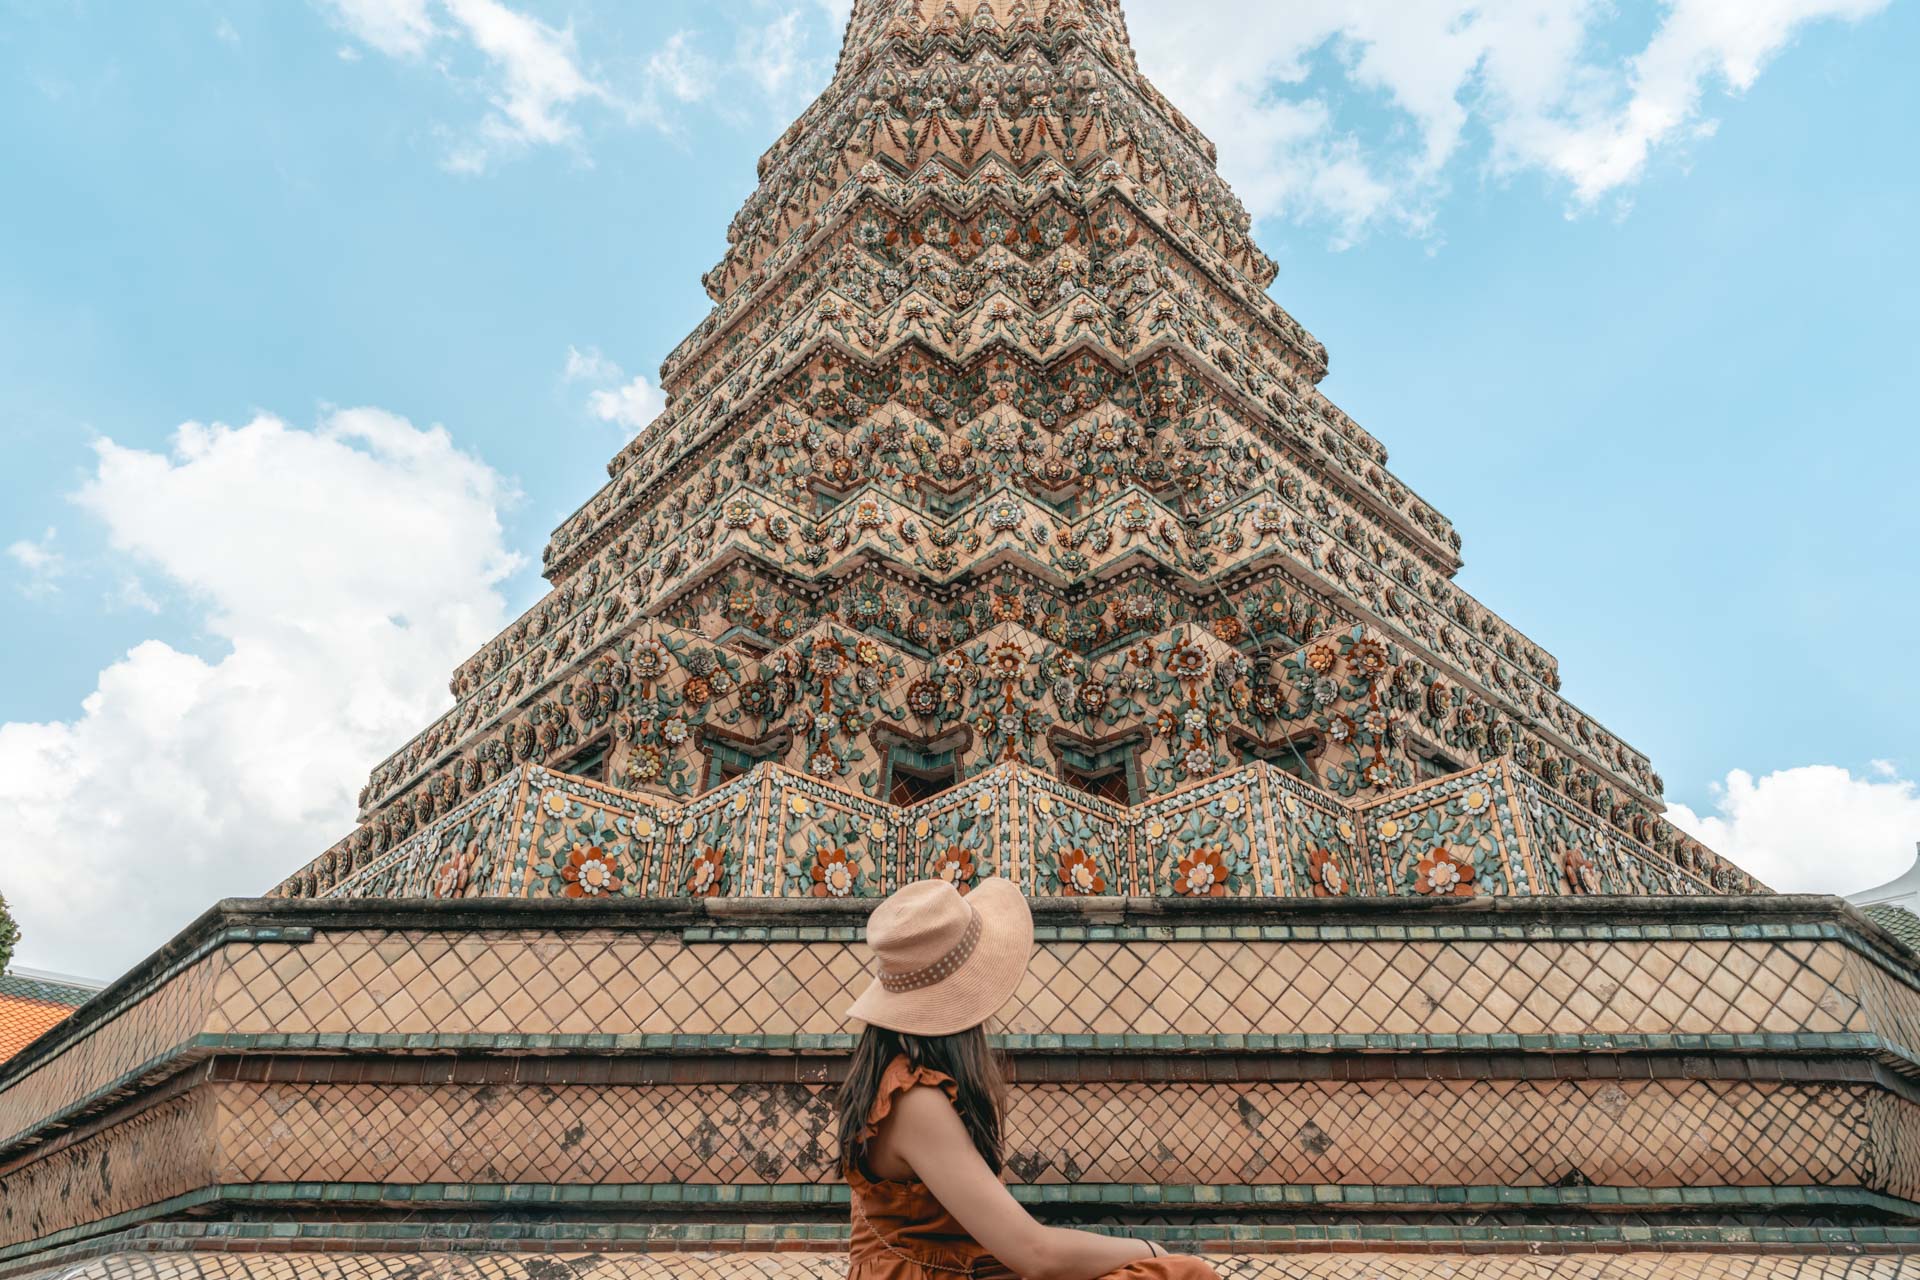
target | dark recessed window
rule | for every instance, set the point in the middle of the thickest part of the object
(590, 764)
(1105, 773)
(914, 775)
(745, 643)
(1432, 764)
(729, 760)
(1293, 757)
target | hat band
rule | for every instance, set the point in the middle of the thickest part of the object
(915, 979)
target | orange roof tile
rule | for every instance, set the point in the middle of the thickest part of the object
(24, 1021)
(31, 1004)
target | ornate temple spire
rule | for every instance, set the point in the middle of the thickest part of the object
(874, 22)
(993, 405)
(1040, 86)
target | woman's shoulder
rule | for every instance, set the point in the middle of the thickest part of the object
(899, 1082)
(902, 1075)
(901, 1078)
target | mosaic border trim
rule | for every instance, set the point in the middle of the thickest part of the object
(1116, 1197)
(1852, 1043)
(1029, 1070)
(775, 1258)
(493, 1237)
(1841, 930)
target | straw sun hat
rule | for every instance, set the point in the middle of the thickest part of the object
(946, 962)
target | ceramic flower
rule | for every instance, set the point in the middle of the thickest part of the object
(835, 875)
(1443, 873)
(1080, 874)
(1329, 878)
(706, 875)
(590, 872)
(1201, 874)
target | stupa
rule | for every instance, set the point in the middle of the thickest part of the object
(996, 525)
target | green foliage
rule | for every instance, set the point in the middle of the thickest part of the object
(9, 935)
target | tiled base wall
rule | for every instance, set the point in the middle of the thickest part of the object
(165, 1151)
(1503, 1132)
(1438, 984)
(821, 1266)
(1287, 1078)
(1389, 1133)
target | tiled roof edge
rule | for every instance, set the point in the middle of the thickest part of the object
(48, 988)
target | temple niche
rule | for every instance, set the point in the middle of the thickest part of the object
(997, 524)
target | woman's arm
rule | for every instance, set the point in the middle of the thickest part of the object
(926, 1132)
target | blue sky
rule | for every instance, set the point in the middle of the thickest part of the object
(1663, 383)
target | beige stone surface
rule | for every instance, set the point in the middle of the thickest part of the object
(449, 982)
(811, 1266)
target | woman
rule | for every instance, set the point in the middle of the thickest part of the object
(920, 1112)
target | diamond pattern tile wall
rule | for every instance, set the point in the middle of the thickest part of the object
(473, 983)
(160, 1024)
(825, 1266)
(1436, 988)
(164, 1151)
(621, 984)
(1888, 1008)
(1390, 1132)
(756, 1133)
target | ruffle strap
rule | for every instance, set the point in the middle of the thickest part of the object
(901, 1076)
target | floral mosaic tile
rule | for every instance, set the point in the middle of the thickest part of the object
(1256, 832)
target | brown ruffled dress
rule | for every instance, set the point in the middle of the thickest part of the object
(900, 1232)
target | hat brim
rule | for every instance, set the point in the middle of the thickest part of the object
(976, 990)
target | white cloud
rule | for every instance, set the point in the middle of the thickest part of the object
(41, 563)
(533, 82)
(1817, 829)
(397, 28)
(131, 593)
(542, 92)
(678, 70)
(632, 404)
(590, 365)
(772, 56)
(837, 11)
(539, 80)
(1289, 91)
(346, 570)
(779, 62)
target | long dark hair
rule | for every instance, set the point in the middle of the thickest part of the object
(964, 1056)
